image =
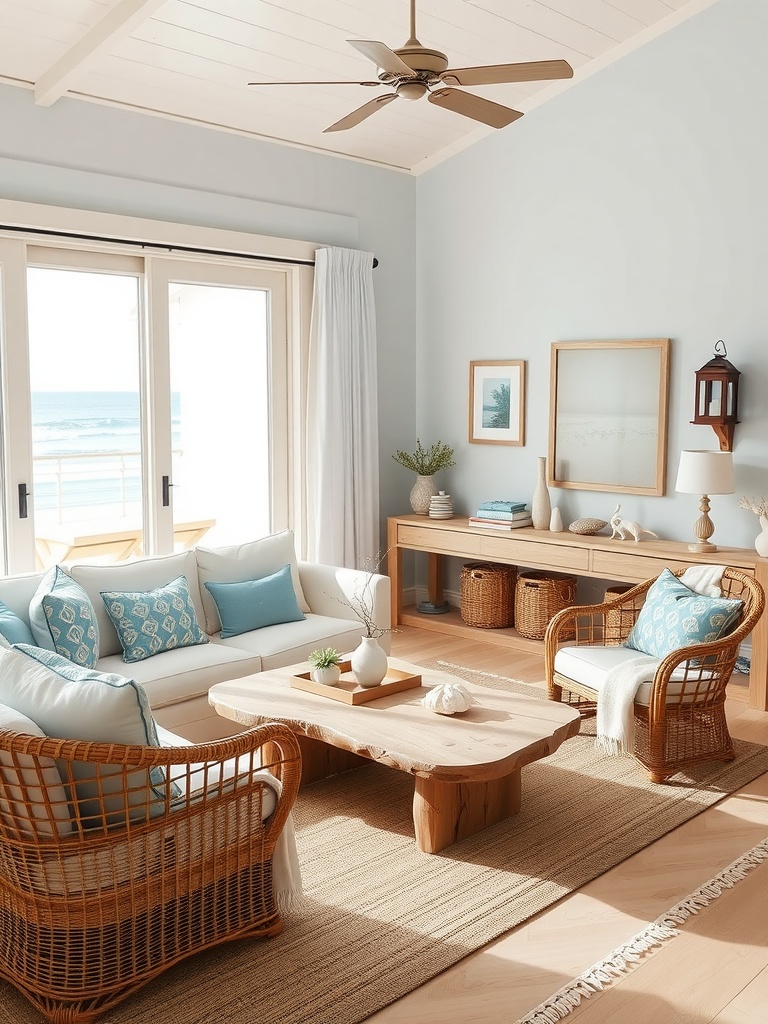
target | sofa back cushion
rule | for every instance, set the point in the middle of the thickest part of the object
(239, 563)
(141, 575)
(74, 703)
(17, 591)
(33, 800)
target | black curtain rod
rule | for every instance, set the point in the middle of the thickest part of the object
(159, 245)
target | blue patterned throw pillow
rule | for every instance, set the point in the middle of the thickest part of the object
(62, 619)
(674, 616)
(155, 621)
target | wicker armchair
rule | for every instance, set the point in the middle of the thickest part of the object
(680, 717)
(92, 908)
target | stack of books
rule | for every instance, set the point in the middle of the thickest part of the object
(501, 515)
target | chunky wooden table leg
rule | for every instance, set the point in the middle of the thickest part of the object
(319, 760)
(445, 812)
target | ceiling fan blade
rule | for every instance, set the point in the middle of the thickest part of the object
(347, 82)
(361, 113)
(497, 74)
(381, 55)
(475, 107)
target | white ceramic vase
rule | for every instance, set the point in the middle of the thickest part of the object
(369, 662)
(541, 508)
(421, 494)
(328, 676)
(555, 521)
(761, 541)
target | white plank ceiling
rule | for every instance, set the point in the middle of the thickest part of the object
(192, 60)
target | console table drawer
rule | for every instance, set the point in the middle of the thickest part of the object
(425, 538)
(549, 556)
(629, 566)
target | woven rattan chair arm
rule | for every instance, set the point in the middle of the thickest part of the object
(140, 756)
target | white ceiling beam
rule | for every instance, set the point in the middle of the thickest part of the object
(116, 24)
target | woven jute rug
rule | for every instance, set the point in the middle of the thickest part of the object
(380, 918)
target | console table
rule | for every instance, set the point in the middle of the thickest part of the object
(597, 556)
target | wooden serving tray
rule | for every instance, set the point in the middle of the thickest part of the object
(349, 691)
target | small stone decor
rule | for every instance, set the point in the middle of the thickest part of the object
(440, 506)
(587, 527)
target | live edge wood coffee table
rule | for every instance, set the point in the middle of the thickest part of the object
(466, 767)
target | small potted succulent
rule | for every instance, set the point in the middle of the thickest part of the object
(325, 666)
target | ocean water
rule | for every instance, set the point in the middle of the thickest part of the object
(86, 449)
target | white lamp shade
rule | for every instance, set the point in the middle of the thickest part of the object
(703, 472)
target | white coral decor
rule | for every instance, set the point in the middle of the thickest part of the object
(448, 699)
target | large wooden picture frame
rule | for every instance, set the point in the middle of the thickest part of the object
(497, 402)
(608, 415)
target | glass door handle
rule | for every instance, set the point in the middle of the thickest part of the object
(167, 485)
(23, 503)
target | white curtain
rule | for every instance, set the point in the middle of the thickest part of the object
(342, 413)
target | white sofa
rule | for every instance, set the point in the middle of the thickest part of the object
(177, 681)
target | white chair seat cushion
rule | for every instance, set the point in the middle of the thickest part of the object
(589, 665)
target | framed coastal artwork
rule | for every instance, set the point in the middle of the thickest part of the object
(497, 402)
(608, 415)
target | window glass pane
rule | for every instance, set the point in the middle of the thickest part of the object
(86, 414)
(220, 406)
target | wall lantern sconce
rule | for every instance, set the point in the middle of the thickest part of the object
(717, 396)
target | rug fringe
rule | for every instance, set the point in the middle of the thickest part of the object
(626, 957)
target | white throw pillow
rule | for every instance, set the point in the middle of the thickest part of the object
(241, 562)
(74, 703)
(46, 812)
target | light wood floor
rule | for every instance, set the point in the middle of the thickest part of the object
(715, 971)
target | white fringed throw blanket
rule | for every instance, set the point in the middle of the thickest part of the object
(615, 718)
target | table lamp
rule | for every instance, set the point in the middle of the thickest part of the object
(704, 473)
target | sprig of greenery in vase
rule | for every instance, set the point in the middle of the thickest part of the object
(426, 461)
(361, 600)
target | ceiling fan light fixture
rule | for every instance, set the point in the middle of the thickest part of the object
(411, 90)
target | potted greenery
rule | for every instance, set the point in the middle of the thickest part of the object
(425, 462)
(325, 666)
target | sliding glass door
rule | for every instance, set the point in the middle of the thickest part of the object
(84, 344)
(146, 404)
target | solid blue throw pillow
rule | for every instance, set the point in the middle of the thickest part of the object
(256, 603)
(14, 629)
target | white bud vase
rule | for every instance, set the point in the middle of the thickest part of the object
(541, 509)
(761, 541)
(555, 521)
(368, 662)
(421, 494)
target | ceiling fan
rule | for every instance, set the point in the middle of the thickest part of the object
(414, 71)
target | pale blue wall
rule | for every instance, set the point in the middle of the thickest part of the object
(633, 205)
(89, 156)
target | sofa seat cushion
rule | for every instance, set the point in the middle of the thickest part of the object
(62, 618)
(141, 575)
(186, 672)
(32, 798)
(241, 562)
(590, 665)
(291, 642)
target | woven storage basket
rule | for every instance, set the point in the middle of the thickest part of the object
(539, 596)
(618, 621)
(488, 594)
